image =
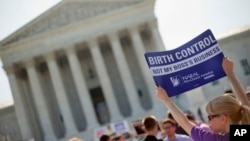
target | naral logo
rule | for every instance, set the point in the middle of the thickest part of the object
(176, 80)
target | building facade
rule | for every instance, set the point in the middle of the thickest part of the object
(9, 129)
(81, 65)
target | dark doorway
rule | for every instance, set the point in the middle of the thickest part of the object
(100, 105)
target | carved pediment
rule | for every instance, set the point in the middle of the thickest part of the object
(66, 13)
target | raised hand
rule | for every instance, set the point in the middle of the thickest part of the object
(227, 65)
(162, 94)
(239, 91)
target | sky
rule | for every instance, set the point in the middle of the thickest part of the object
(178, 20)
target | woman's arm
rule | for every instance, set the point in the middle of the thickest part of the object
(178, 115)
(238, 89)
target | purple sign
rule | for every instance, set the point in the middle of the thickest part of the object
(192, 65)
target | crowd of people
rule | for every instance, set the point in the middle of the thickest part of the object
(231, 108)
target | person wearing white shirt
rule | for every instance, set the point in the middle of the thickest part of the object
(169, 130)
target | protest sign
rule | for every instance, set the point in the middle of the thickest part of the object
(112, 129)
(192, 65)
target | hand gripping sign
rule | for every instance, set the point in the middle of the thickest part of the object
(192, 65)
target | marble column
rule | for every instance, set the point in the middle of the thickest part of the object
(156, 36)
(19, 104)
(82, 88)
(139, 51)
(125, 74)
(39, 100)
(61, 94)
(104, 80)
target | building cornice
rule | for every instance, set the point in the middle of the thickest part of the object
(66, 13)
(78, 32)
(241, 32)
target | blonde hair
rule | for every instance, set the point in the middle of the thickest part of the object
(229, 94)
(75, 139)
(231, 107)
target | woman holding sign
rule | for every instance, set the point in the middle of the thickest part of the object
(223, 111)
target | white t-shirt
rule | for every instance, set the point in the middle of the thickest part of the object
(179, 137)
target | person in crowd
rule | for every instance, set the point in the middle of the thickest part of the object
(169, 130)
(140, 137)
(248, 92)
(75, 139)
(200, 114)
(105, 137)
(151, 126)
(179, 129)
(129, 136)
(228, 91)
(139, 129)
(110, 132)
(118, 138)
(230, 94)
(202, 125)
(248, 88)
(222, 111)
(248, 95)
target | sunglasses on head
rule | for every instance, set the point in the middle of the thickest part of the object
(210, 117)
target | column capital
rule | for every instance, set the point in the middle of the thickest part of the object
(49, 56)
(113, 36)
(133, 28)
(93, 40)
(153, 23)
(9, 69)
(92, 43)
(28, 63)
(70, 50)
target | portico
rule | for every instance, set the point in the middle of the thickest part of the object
(70, 79)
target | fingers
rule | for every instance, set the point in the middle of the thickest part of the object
(159, 91)
(161, 94)
(227, 65)
(226, 60)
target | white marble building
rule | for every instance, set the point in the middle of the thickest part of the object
(9, 129)
(80, 65)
